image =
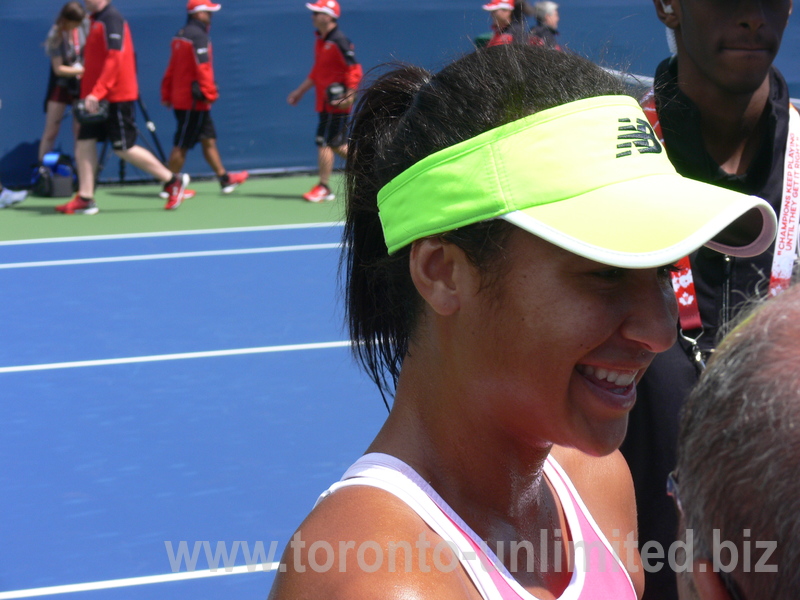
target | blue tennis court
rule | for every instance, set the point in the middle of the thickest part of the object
(165, 388)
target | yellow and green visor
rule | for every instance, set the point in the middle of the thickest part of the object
(589, 176)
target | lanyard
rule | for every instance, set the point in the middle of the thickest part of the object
(75, 44)
(76, 41)
(785, 245)
(786, 242)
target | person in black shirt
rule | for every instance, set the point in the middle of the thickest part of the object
(723, 110)
(546, 30)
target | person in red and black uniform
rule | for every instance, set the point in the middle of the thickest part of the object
(189, 88)
(110, 74)
(335, 77)
(508, 23)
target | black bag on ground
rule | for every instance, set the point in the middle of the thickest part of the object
(55, 177)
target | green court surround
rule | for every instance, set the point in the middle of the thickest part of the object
(137, 209)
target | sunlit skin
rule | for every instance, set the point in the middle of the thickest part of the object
(501, 18)
(323, 22)
(551, 19)
(495, 378)
(730, 44)
(520, 351)
(725, 49)
(495, 381)
(203, 16)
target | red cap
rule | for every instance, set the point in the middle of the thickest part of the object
(499, 4)
(196, 6)
(329, 7)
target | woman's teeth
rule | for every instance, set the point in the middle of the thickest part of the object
(620, 378)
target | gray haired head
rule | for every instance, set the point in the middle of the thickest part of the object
(542, 9)
(739, 450)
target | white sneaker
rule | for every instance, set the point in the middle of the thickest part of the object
(9, 198)
(164, 195)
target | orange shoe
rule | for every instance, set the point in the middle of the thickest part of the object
(176, 190)
(319, 193)
(78, 206)
(187, 194)
(234, 180)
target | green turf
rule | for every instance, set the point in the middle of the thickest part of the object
(137, 209)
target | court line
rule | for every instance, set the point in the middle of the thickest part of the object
(133, 581)
(164, 357)
(170, 255)
(150, 234)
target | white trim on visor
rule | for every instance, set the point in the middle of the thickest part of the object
(205, 8)
(664, 256)
(326, 10)
(498, 6)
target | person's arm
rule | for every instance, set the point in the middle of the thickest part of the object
(299, 92)
(115, 35)
(349, 531)
(62, 70)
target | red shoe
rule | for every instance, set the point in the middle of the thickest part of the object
(234, 181)
(187, 194)
(176, 191)
(319, 193)
(78, 206)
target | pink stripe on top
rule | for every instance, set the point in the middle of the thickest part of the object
(597, 573)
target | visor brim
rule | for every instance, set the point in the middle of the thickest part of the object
(652, 221)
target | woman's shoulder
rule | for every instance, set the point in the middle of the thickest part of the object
(52, 43)
(605, 485)
(587, 471)
(362, 541)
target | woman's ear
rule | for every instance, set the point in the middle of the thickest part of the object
(666, 9)
(442, 274)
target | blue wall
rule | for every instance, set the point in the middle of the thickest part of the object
(263, 49)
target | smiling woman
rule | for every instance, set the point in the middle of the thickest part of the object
(509, 220)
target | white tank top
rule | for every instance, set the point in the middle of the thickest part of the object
(597, 574)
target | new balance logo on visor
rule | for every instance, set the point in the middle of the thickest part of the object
(644, 139)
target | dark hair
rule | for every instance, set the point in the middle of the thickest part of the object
(72, 11)
(406, 115)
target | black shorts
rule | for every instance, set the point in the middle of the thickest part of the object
(332, 129)
(193, 126)
(61, 95)
(120, 127)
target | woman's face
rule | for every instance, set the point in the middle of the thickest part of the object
(551, 19)
(557, 344)
(501, 17)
